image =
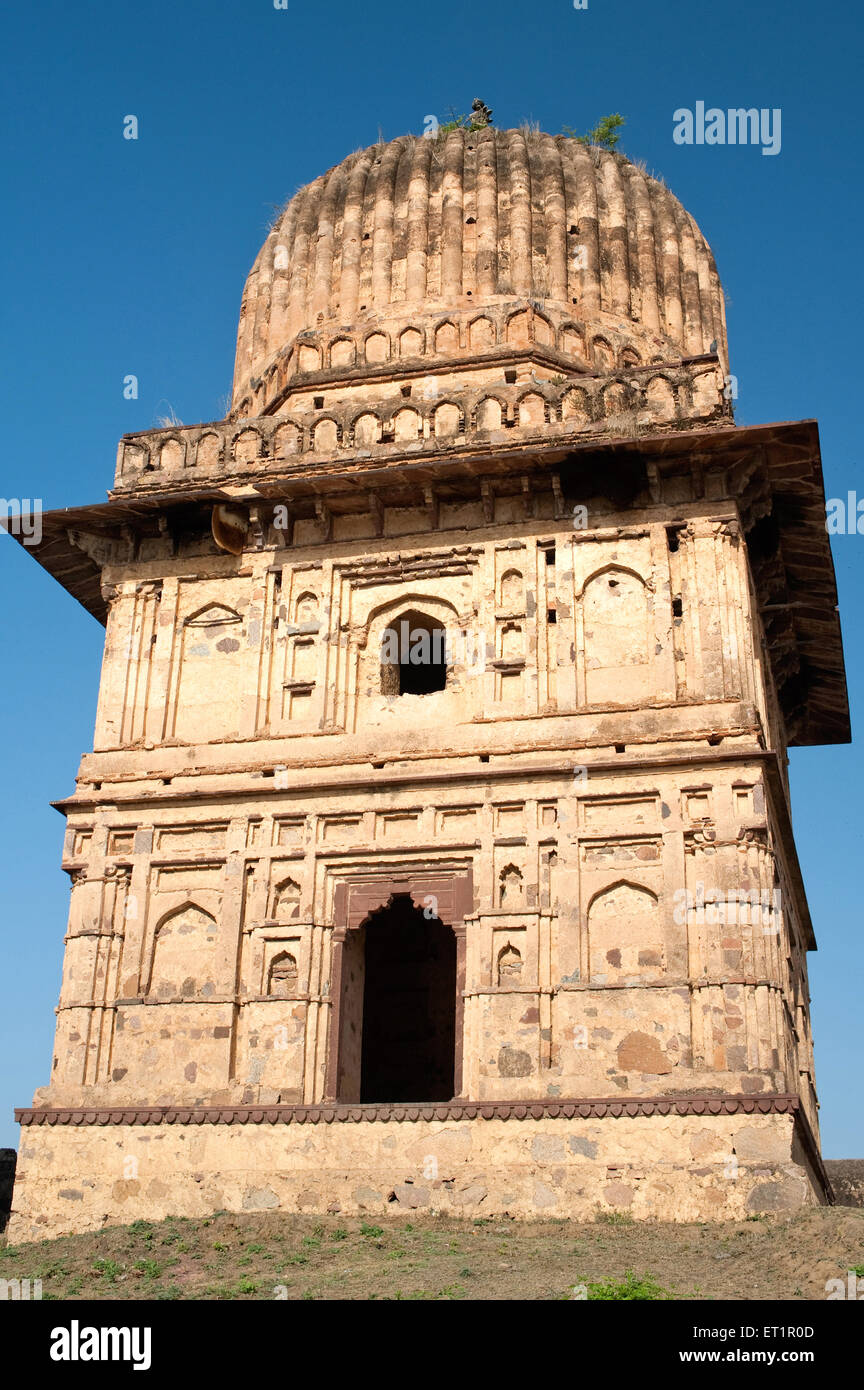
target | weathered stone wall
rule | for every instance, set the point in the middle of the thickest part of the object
(249, 766)
(612, 977)
(846, 1176)
(78, 1178)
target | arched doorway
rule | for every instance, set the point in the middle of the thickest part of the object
(398, 1008)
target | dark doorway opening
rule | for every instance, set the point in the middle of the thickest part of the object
(409, 1006)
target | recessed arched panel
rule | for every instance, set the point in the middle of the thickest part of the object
(511, 593)
(325, 437)
(576, 406)
(342, 353)
(282, 976)
(518, 329)
(247, 446)
(531, 410)
(410, 343)
(184, 954)
(287, 439)
(407, 424)
(209, 677)
(509, 966)
(511, 888)
(308, 358)
(446, 338)
(602, 353)
(543, 330)
(511, 642)
(489, 414)
(377, 347)
(447, 419)
(616, 617)
(660, 399)
(616, 399)
(481, 334)
(286, 900)
(306, 608)
(573, 342)
(209, 451)
(367, 430)
(625, 938)
(171, 454)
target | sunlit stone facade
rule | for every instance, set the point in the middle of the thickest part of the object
(518, 926)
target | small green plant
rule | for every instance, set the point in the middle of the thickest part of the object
(616, 1290)
(477, 119)
(604, 134)
(169, 1294)
(149, 1268)
(339, 1234)
(615, 1218)
(254, 1249)
(366, 1230)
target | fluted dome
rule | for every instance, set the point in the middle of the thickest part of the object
(396, 252)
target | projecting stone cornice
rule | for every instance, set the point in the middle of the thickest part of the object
(616, 1107)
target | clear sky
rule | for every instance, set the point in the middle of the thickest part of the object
(130, 256)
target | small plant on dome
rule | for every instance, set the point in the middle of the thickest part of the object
(605, 134)
(479, 118)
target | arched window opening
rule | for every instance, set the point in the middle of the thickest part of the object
(413, 656)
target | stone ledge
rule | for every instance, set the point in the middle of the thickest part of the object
(614, 1107)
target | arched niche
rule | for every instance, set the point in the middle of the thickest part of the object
(625, 938)
(511, 591)
(509, 966)
(481, 334)
(511, 887)
(446, 338)
(286, 900)
(184, 948)
(367, 430)
(282, 976)
(209, 675)
(489, 414)
(616, 620)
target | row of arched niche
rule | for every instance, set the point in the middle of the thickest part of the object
(443, 339)
(624, 939)
(662, 397)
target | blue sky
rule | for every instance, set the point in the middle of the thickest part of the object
(129, 257)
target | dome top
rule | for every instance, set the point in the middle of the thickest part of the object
(365, 263)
